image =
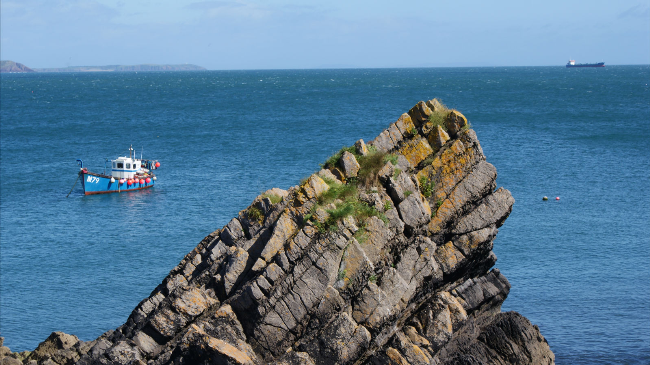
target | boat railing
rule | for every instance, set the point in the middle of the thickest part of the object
(97, 174)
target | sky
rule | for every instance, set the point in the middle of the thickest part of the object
(291, 34)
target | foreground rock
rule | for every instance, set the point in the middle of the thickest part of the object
(384, 257)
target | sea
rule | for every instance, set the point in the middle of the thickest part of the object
(579, 263)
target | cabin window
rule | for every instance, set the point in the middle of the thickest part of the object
(128, 165)
(120, 165)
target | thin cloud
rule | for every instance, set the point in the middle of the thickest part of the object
(637, 11)
(209, 5)
(232, 10)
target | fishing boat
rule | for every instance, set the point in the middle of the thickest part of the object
(127, 174)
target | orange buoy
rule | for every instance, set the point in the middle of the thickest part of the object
(141, 181)
(148, 180)
(557, 198)
(157, 164)
(129, 182)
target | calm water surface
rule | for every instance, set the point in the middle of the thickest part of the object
(579, 267)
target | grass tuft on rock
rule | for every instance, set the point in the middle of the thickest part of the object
(370, 166)
(426, 186)
(345, 197)
(438, 117)
(255, 213)
(275, 199)
(334, 159)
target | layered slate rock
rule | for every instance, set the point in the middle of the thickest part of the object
(399, 271)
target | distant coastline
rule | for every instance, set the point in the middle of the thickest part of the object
(11, 66)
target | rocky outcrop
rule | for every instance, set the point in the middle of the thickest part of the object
(383, 257)
(11, 66)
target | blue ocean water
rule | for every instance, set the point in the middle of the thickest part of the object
(579, 267)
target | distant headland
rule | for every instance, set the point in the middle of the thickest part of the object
(11, 66)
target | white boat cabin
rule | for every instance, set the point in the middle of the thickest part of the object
(125, 167)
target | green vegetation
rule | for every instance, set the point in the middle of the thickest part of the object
(388, 205)
(396, 173)
(345, 197)
(342, 274)
(438, 204)
(413, 131)
(408, 193)
(275, 199)
(361, 235)
(334, 159)
(370, 166)
(255, 213)
(427, 161)
(438, 117)
(391, 158)
(426, 186)
(372, 278)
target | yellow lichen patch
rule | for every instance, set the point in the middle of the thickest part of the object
(354, 262)
(426, 172)
(224, 311)
(419, 355)
(284, 228)
(437, 137)
(165, 322)
(230, 351)
(469, 243)
(314, 186)
(416, 150)
(425, 206)
(406, 126)
(192, 302)
(449, 257)
(441, 216)
(456, 310)
(291, 246)
(458, 147)
(455, 122)
(420, 113)
(396, 357)
(448, 168)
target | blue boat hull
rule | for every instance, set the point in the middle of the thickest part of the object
(101, 184)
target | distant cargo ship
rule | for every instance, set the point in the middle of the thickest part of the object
(572, 63)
